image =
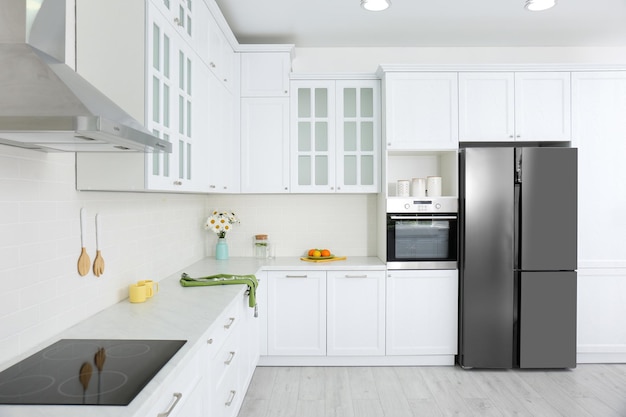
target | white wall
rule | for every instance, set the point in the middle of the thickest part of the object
(41, 293)
(345, 224)
(144, 236)
(321, 60)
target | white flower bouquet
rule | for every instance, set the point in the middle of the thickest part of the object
(221, 222)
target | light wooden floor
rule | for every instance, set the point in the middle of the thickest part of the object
(588, 390)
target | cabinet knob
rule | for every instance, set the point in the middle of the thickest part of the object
(212, 65)
(209, 342)
(178, 22)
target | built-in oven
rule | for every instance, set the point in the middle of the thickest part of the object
(422, 233)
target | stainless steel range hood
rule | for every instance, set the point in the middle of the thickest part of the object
(44, 103)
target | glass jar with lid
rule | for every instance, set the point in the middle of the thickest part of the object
(261, 246)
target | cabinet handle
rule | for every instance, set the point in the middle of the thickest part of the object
(177, 21)
(356, 276)
(231, 398)
(296, 276)
(231, 320)
(231, 356)
(178, 183)
(212, 65)
(225, 80)
(209, 342)
(211, 186)
(510, 136)
(177, 396)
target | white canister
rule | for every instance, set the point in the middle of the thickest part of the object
(418, 187)
(433, 185)
(402, 188)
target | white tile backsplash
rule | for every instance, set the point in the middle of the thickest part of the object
(144, 236)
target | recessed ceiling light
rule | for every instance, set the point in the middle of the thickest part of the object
(539, 5)
(375, 5)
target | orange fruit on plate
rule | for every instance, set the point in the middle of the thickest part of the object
(325, 253)
(311, 251)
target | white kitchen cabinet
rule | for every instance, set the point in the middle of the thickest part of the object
(223, 156)
(232, 355)
(162, 84)
(265, 74)
(421, 110)
(599, 129)
(297, 313)
(264, 145)
(221, 58)
(356, 313)
(265, 120)
(335, 136)
(182, 395)
(514, 106)
(422, 312)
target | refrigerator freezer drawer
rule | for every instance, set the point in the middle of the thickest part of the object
(547, 319)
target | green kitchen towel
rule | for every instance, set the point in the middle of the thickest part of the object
(223, 279)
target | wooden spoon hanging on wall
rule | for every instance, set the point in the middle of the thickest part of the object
(83, 260)
(98, 263)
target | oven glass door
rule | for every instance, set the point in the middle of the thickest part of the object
(429, 238)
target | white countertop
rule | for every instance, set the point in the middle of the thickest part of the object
(176, 312)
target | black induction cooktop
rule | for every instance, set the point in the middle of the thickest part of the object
(86, 371)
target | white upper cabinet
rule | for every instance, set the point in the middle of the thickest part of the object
(167, 77)
(421, 110)
(265, 120)
(264, 145)
(265, 74)
(335, 136)
(221, 57)
(514, 106)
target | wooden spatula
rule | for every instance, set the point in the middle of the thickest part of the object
(83, 260)
(98, 263)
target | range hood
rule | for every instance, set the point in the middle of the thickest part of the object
(44, 103)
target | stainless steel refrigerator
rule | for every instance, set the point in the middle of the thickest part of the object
(517, 266)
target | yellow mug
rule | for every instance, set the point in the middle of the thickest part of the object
(153, 285)
(139, 293)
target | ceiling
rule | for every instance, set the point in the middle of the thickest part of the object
(422, 23)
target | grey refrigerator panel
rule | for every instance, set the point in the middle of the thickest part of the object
(548, 213)
(547, 319)
(487, 275)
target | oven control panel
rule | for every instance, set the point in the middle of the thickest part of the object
(423, 205)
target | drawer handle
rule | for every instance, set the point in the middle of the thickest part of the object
(178, 396)
(296, 276)
(230, 358)
(231, 398)
(230, 323)
(356, 276)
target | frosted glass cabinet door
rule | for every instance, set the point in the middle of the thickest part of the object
(313, 139)
(358, 136)
(162, 80)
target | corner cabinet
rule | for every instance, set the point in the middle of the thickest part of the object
(161, 76)
(335, 136)
(265, 119)
(514, 106)
(421, 110)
